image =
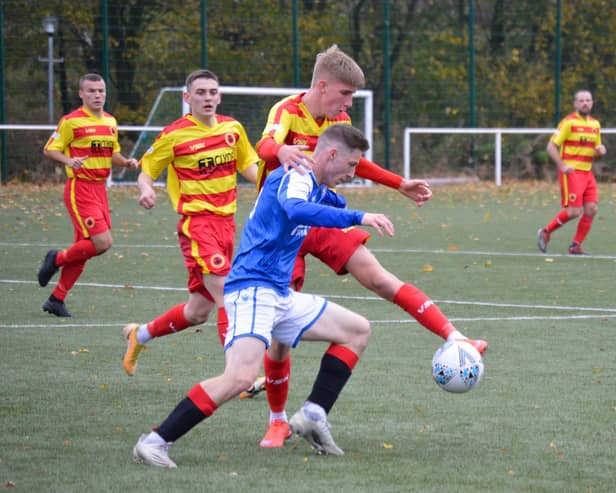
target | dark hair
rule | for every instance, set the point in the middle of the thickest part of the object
(343, 135)
(200, 74)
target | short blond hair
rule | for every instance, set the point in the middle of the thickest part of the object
(334, 63)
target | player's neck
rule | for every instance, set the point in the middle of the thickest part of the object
(311, 102)
(96, 112)
(208, 121)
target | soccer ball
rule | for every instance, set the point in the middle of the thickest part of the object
(457, 367)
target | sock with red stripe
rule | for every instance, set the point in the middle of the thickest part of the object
(189, 412)
(336, 367)
(173, 320)
(421, 308)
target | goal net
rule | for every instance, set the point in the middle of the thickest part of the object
(249, 105)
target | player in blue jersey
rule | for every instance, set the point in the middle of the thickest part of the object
(261, 306)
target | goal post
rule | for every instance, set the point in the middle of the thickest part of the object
(498, 139)
(249, 105)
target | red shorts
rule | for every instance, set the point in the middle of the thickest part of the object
(331, 246)
(206, 242)
(578, 188)
(87, 205)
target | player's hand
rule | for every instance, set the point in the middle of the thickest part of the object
(566, 169)
(76, 162)
(380, 222)
(600, 150)
(293, 156)
(132, 163)
(417, 190)
(147, 199)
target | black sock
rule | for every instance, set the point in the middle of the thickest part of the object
(181, 420)
(332, 377)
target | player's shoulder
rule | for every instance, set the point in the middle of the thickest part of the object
(290, 104)
(78, 113)
(179, 124)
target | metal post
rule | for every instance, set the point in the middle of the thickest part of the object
(50, 24)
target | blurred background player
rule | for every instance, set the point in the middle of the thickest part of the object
(86, 143)
(573, 148)
(261, 306)
(293, 127)
(202, 153)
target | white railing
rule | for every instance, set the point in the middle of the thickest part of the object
(498, 137)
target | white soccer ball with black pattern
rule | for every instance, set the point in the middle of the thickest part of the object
(457, 367)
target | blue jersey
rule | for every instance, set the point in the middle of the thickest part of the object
(288, 204)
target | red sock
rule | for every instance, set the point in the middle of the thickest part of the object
(79, 251)
(559, 220)
(277, 375)
(172, 320)
(202, 400)
(583, 227)
(222, 324)
(417, 304)
(344, 354)
(68, 277)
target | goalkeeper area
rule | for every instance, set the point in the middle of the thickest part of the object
(248, 105)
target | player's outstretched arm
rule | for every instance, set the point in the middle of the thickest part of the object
(119, 160)
(416, 190)
(380, 222)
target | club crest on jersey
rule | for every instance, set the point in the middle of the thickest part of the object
(230, 139)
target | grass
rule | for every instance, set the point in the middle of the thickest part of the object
(541, 421)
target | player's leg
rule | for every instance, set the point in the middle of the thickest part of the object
(590, 207)
(365, 267)
(277, 368)
(207, 246)
(176, 319)
(242, 362)
(88, 208)
(567, 186)
(349, 334)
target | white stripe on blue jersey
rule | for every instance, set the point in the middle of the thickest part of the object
(288, 204)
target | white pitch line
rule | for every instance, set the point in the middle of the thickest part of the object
(341, 297)
(438, 251)
(493, 254)
(384, 322)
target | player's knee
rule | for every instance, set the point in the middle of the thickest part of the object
(197, 314)
(362, 335)
(242, 380)
(575, 212)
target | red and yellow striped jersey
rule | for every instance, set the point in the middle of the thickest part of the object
(201, 163)
(289, 122)
(81, 134)
(578, 137)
